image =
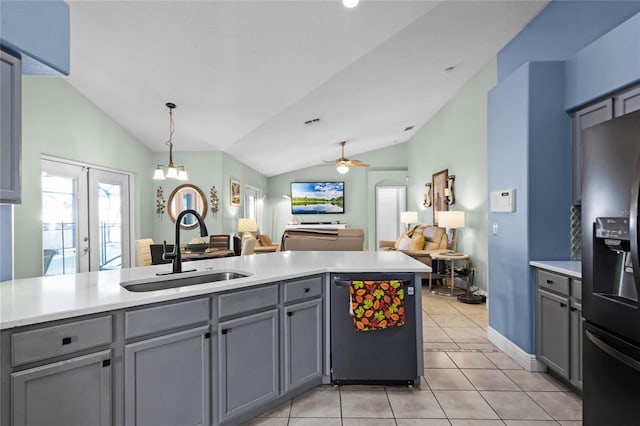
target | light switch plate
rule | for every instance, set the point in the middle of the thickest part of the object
(503, 201)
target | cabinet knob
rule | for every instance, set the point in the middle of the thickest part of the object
(106, 362)
(306, 290)
(207, 335)
(572, 309)
(563, 305)
(550, 282)
(66, 340)
(289, 314)
(223, 331)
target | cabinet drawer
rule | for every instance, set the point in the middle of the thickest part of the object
(296, 290)
(49, 342)
(247, 300)
(165, 317)
(576, 289)
(554, 282)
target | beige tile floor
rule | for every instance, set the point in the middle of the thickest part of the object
(467, 382)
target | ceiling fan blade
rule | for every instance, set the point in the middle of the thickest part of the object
(358, 164)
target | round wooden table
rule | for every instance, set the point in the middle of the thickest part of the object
(450, 257)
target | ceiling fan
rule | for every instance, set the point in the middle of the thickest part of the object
(343, 164)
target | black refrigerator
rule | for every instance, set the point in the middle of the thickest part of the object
(611, 272)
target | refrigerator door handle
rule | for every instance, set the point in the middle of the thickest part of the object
(614, 353)
(633, 224)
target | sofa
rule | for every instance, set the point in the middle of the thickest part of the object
(420, 242)
(309, 239)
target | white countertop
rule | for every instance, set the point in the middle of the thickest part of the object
(572, 268)
(34, 300)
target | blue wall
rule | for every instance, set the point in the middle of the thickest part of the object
(608, 64)
(39, 30)
(560, 60)
(561, 29)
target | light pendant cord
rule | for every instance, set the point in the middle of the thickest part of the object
(171, 106)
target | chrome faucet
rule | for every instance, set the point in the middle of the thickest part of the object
(175, 255)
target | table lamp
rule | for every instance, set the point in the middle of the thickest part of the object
(247, 226)
(451, 220)
(408, 218)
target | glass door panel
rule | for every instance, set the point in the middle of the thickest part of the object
(109, 220)
(64, 230)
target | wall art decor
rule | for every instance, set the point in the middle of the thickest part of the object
(234, 191)
(213, 196)
(160, 202)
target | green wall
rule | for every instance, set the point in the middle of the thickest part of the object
(358, 196)
(59, 121)
(456, 139)
(205, 170)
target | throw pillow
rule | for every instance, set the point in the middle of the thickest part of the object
(265, 240)
(397, 243)
(404, 243)
(417, 242)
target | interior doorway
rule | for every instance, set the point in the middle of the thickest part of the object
(85, 218)
(390, 201)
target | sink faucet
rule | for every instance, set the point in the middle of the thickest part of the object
(175, 255)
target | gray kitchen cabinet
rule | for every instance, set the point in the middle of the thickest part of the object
(575, 312)
(302, 357)
(248, 362)
(582, 119)
(559, 325)
(10, 127)
(167, 380)
(73, 392)
(553, 346)
(628, 101)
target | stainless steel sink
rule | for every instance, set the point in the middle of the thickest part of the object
(174, 281)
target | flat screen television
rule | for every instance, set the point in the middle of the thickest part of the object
(317, 197)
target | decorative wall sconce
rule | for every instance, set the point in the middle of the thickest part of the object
(160, 202)
(448, 191)
(427, 195)
(213, 193)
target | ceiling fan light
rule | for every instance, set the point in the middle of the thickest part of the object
(350, 4)
(342, 169)
(158, 174)
(182, 174)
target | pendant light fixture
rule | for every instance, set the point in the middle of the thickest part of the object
(173, 172)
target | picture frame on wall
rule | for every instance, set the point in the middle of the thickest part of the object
(439, 200)
(234, 193)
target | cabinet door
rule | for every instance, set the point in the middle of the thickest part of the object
(553, 331)
(302, 343)
(248, 362)
(11, 123)
(627, 101)
(167, 380)
(75, 392)
(576, 344)
(587, 117)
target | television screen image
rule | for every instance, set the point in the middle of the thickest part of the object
(317, 197)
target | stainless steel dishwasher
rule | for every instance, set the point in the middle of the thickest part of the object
(387, 356)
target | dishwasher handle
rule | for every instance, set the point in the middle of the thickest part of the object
(342, 283)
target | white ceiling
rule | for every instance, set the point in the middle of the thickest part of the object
(246, 75)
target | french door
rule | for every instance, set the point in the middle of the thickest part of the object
(85, 218)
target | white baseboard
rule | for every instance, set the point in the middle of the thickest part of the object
(526, 360)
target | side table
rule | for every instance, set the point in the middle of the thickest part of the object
(449, 257)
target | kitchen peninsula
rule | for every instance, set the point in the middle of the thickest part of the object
(222, 352)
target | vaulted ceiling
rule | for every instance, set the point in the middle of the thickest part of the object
(247, 75)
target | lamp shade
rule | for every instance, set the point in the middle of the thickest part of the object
(451, 219)
(408, 217)
(247, 225)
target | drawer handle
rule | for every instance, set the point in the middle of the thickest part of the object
(550, 282)
(224, 331)
(207, 335)
(66, 340)
(563, 305)
(289, 314)
(572, 309)
(306, 289)
(106, 362)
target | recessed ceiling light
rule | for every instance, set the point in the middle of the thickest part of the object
(350, 3)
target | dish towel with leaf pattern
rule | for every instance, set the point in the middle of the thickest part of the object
(376, 305)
